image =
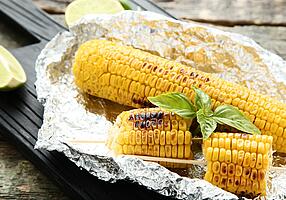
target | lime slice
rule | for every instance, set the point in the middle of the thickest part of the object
(12, 74)
(80, 8)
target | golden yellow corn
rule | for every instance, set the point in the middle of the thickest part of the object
(143, 132)
(128, 76)
(238, 163)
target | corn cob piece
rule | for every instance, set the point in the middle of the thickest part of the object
(151, 132)
(128, 76)
(238, 163)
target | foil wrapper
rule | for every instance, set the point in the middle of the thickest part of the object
(71, 116)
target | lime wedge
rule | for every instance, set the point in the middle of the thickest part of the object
(12, 74)
(80, 8)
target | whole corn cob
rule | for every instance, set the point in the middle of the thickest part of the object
(128, 76)
(238, 162)
(151, 132)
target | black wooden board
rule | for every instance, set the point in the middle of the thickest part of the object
(21, 114)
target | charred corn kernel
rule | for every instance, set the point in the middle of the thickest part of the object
(231, 169)
(253, 160)
(223, 169)
(236, 182)
(253, 175)
(259, 161)
(223, 182)
(242, 168)
(230, 182)
(216, 179)
(129, 78)
(216, 167)
(246, 172)
(238, 170)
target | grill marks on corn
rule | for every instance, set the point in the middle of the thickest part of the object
(128, 76)
(152, 132)
(238, 162)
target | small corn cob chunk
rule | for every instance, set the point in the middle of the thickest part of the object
(238, 163)
(128, 76)
(142, 132)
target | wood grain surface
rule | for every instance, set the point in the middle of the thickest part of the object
(263, 21)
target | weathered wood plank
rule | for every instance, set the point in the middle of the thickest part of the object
(19, 179)
(242, 12)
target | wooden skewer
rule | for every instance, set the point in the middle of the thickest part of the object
(159, 159)
(103, 141)
(172, 160)
(87, 141)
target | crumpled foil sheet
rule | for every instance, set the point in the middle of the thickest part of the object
(70, 116)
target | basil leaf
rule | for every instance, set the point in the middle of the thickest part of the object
(202, 100)
(231, 116)
(175, 102)
(207, 124)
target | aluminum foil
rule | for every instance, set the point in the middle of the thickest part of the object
(76, 124)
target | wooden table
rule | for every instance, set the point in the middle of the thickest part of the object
(264, 21)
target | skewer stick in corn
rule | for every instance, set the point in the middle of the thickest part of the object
(151, 132)
(128, 76)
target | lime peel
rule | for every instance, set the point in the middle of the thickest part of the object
(79, 8)
(12, 74)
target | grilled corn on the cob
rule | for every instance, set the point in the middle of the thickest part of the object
(128, 76)
(151, 132)
(238, 162)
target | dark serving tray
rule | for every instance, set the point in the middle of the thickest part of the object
(21, 115)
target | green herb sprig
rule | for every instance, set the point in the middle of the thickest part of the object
(201, 109)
